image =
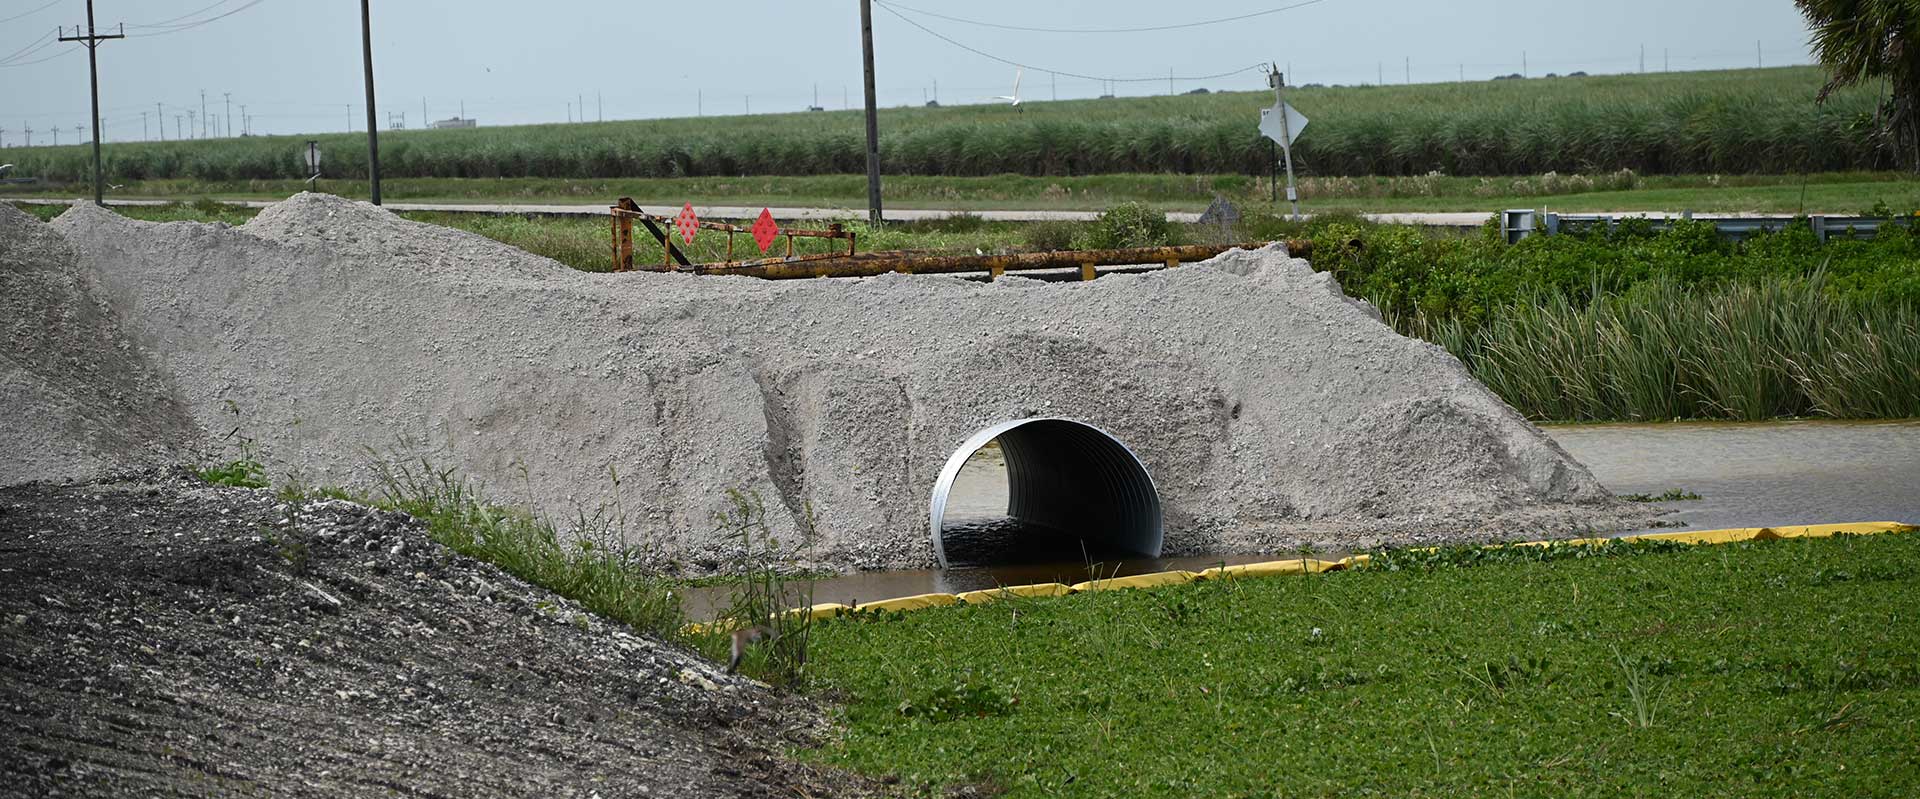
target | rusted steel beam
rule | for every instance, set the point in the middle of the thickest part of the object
(867, 264)
(629, 208)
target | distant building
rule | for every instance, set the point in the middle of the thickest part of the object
(454, 122)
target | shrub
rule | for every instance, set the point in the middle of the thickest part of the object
(1126, 225)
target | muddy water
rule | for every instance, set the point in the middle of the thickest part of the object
(1748, 475)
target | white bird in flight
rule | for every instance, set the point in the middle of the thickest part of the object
(1012, 99)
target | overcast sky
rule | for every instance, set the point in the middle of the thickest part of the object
(295, 64)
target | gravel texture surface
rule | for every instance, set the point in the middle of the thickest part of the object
(77, 399)
(1271, 409)
(157, 638)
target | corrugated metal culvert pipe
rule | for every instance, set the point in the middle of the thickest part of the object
(1068, 478)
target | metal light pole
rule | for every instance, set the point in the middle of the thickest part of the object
(873, 114)
(373, 129)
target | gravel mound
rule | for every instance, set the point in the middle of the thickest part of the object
(77, 399)
(1271, 409)
(162, 638)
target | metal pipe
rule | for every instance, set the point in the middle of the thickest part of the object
(868, 264)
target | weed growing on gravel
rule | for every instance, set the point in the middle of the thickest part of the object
(594, 566)
(762, 594)
(242, 472)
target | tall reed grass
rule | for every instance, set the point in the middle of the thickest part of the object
(1778, 346)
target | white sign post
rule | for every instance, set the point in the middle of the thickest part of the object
(312, 157)
(1283, 124)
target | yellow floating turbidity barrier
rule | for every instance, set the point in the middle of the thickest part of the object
(906, 603)
(1272, 568)
(1276, 568)
(986, 595)
(1154, 580)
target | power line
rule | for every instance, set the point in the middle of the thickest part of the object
(983, 54)
(166, 22)
(891, 6)
(29, 49)
(30, 13)
(183, 27)
(40, 60)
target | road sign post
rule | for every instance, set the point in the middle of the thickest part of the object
(1283, 124)
(312, 158)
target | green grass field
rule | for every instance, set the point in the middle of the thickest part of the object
(1829, 192)
(1787, 668)
(1761, 121)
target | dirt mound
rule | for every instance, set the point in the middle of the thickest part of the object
(79, 398)
(1270, 409)
(166, 638)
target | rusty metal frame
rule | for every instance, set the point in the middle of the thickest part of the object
(625, 212)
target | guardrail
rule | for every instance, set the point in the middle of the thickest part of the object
(1518, 224)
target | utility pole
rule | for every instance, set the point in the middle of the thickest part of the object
(246, 123)
(144, 134)
(29, 135)
(1169, 81)
(600, 104)
(749, 99)
(176, 127)
(160, 119)
(203, 113)
(373, 131)
(1279, 82)
(1054, 78)
(1758, 62)
(1643, 59)
(227, 118)
(1409, 67)
(190, 132)
(56, 135)
(580, 102)
(92, 41)
(1666, 60)
(1523, 64)
(423, 112)
(699, 102)
(873, 115)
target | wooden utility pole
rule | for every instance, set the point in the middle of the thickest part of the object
(373, 127)
(873, 115)
(92, 41)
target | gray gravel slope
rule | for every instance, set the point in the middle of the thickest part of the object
(1271, 409)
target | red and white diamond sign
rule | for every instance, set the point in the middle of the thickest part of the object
(764, 229)
(687, 223)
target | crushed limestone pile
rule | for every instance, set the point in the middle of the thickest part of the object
(77, 398)
(1271, 409)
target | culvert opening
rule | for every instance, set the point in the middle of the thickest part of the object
(1070, 490)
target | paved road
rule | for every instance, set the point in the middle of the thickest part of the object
(1450, 219)
(1455, 219)
(1762, 474)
